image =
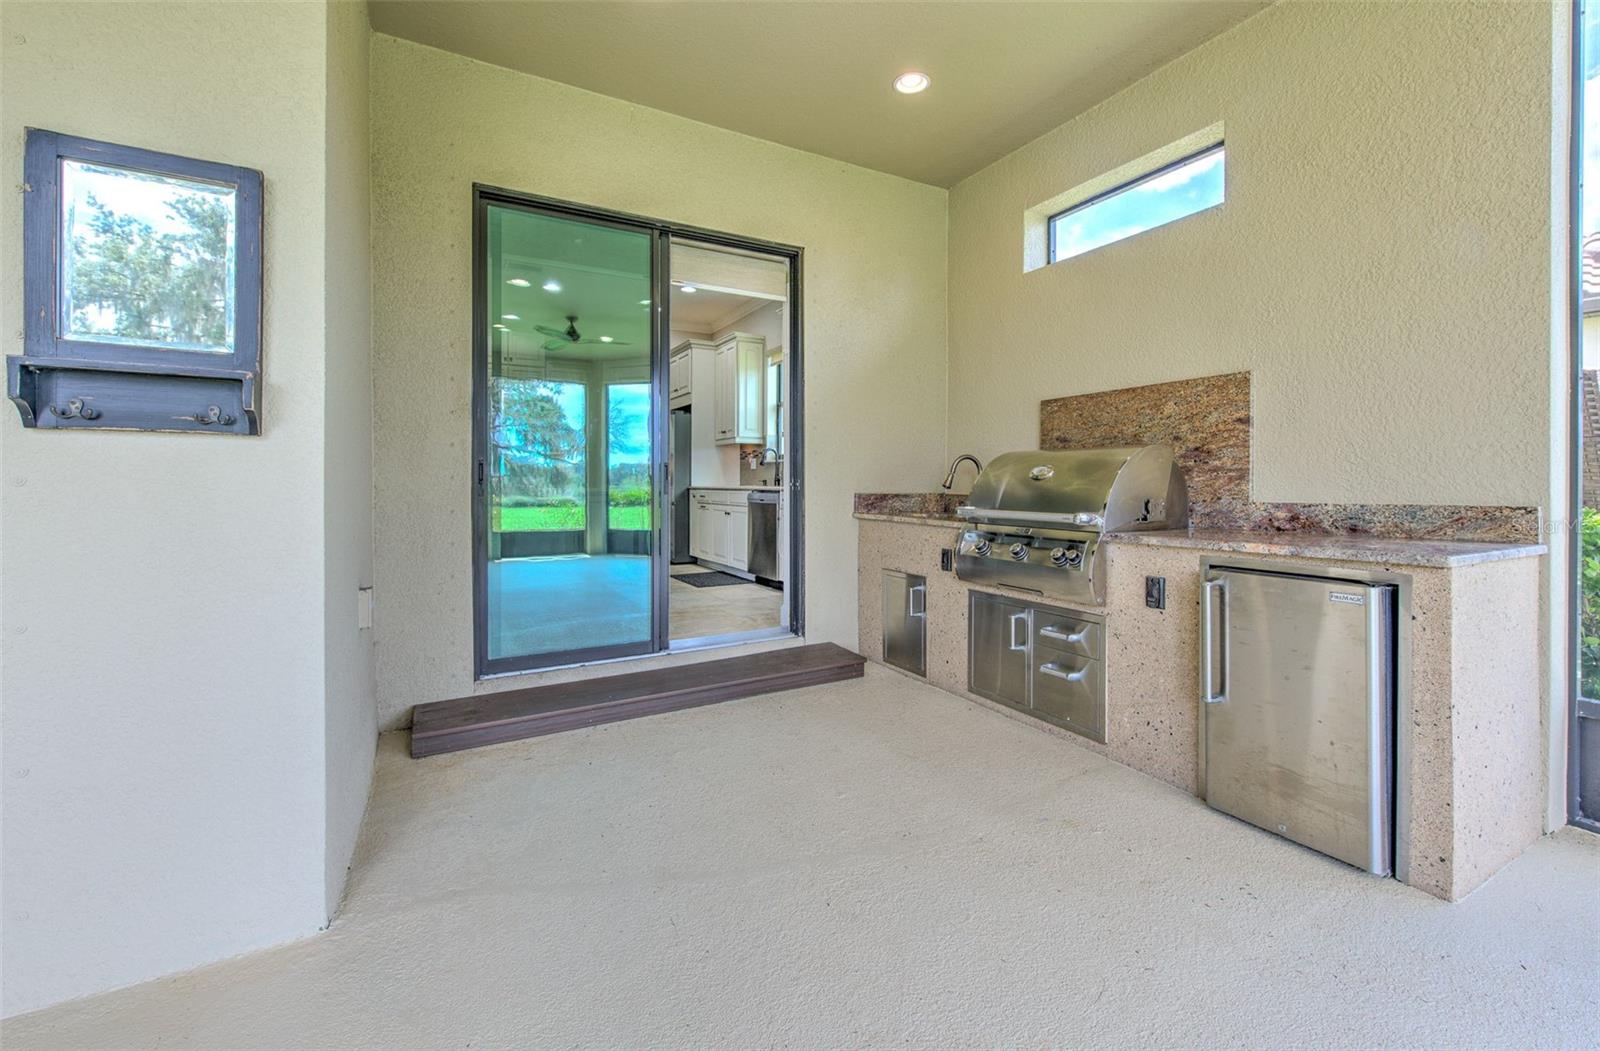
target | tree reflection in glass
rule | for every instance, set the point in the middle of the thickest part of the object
(149, 259)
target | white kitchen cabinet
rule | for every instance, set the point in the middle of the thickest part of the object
(739, 389)
(678, 373)
(719, 527)
(681, 371)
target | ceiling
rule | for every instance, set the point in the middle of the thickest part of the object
(600, 283)
(817, 76)
(547, 272)
(708, 310)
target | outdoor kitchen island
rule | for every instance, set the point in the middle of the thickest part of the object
(1470, 766)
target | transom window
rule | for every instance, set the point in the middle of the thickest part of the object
(1154, 199)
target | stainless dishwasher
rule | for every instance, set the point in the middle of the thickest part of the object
(1297, 687)
(905, 621)
(763, 506)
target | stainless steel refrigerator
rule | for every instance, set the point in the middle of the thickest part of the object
(1298, 700)
(680, 454)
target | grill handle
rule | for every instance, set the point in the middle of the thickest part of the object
(1061, 520)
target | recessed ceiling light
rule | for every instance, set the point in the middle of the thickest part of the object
(551, 286)
(911, 82)
(502, 328)
(605, 339)
(510, 317)
(644, 302)
(520, 282)
(690, 288)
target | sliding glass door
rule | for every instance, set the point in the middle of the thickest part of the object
(565, 445)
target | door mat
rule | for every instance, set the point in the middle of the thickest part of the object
(712, 579)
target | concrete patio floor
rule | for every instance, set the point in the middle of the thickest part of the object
(870, 863)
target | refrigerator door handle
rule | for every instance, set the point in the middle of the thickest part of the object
(1207, 635)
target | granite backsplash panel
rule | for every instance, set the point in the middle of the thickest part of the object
(1207, 423)
(1205, 420)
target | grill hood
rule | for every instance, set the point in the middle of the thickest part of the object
(1135, 486)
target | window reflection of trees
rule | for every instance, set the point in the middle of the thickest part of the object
(130, 280)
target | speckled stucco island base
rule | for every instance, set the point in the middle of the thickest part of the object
(1474, 776)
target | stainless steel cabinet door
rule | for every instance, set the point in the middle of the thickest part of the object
(905, 619)
(1298, 705)
(997, 661)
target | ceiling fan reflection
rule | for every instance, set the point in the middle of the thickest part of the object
(572, 337)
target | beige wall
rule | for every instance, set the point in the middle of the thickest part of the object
(874, 313)
(167, 647)
(1381, 265)
(351, 717)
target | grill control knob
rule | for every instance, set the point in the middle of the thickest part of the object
(981, 547)
(1019, 552)
(1065, 556)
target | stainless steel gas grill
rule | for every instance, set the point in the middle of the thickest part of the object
(1036, 519)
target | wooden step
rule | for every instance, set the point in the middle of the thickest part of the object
(467, 722)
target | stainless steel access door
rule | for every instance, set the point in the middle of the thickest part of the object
(905, 620)
(1298, 702)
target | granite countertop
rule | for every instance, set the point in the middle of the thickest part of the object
(1340, 547)
(910, 518)
(938, 509)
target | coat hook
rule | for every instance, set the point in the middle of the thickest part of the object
(213, 414)
(75, 409)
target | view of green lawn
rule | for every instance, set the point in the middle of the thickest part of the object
(537, 519)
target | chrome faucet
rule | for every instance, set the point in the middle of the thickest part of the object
(950, 479)
(777, 464)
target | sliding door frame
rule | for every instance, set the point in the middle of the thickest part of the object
(663, 233)
(1579, 707)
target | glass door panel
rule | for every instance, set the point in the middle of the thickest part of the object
(566, 537)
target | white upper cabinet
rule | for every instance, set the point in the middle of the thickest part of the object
(739, 388)
(681, 371)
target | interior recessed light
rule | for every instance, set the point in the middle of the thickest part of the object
(551, 286)
(644, 302)
(510, 317)
(502, 328)
(911, 82)
(690, 288)
(520, 282)
(605, 339)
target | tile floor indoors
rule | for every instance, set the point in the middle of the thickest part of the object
(869, 863)
(698, 613)
(606, 601)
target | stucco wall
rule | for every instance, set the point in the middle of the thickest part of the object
(874, 313)
(165, 745)
(1381, 265)
(352, 715)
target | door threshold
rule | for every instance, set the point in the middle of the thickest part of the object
(732, 638)
(467, 722)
